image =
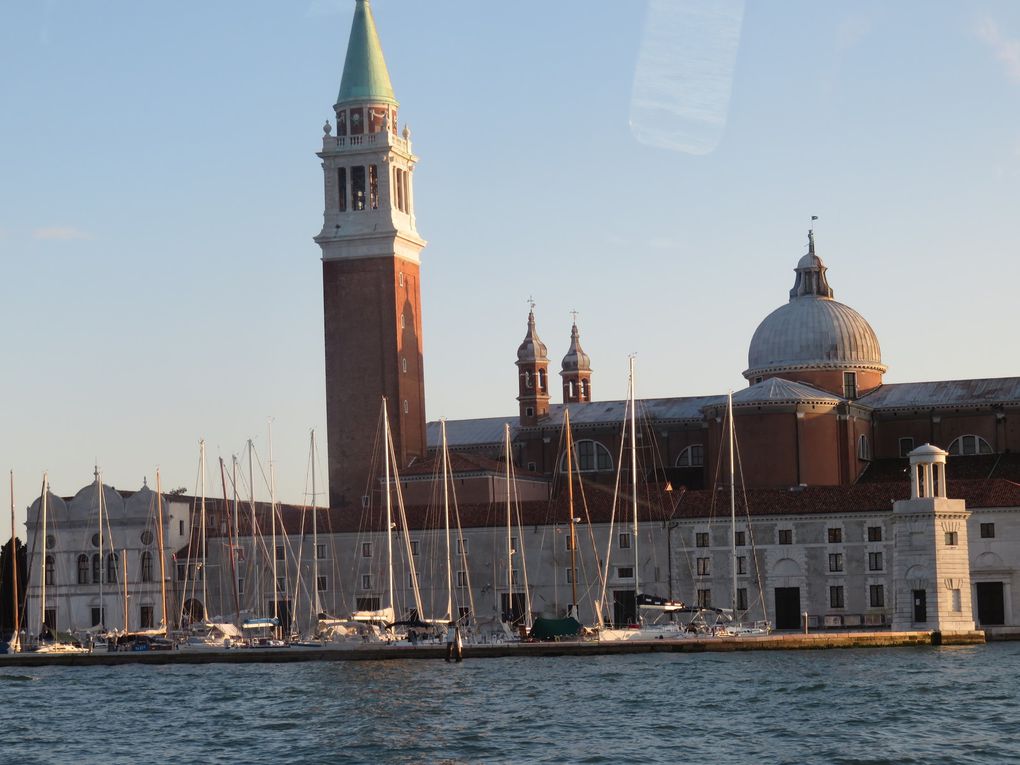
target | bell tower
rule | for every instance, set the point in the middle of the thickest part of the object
(576, 371)
(370, 271)
(532, 375)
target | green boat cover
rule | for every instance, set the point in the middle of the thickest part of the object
(550, 629)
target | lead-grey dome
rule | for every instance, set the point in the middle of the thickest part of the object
(813, 331)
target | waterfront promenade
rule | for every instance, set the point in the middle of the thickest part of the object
(381, 652)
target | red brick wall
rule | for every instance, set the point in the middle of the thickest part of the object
(365, 351)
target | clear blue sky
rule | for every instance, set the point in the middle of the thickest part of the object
(653, 165)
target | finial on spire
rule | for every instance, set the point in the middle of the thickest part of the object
(531, 302)
(573, 315)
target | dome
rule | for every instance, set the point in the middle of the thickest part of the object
(576, 359)
(532, 350)
(813, 331)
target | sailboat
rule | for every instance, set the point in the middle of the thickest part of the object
(649, 610)
(14, 644)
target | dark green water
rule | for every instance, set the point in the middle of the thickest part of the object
(926, 705)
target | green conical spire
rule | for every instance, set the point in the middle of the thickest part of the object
(365, 76)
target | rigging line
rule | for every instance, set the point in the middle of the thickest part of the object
(403, 523)
(603, 598)
(463, 552)
(750, 531)
(520, 541)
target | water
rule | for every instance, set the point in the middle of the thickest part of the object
(906, 705)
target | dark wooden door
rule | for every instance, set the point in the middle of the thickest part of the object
(624, 608)
(787, 608)
(920, 606)
(990, 605)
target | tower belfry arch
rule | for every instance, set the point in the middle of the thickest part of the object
(370, 270)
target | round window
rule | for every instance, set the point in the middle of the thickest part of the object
(146, 537)
(95, 540)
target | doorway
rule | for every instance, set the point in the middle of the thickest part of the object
(512, 608)
(624, 608)
(990, 603)
(787, 608)
(920, 606)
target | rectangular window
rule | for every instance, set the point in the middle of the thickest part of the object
(279, 552)
(741, 564)
(741, 598)
(704, 566)
(341, 189)
(836, 597)
(625, 572)
(704, 598)
(373, 187)
(50, 619)
(463, 612)
(320, 551)
(567, 541)
(739, 538)
(988, 531)
(145, 617)
(835, 561)
(462, 547)
(398, 190)
(876, 593)
(240, 585)
(849, 385)
(952, 538)
(358, 187)
(405, 181)
(906, 446)
(956, 601)
(513, 576)
(624, 541)
(182, 528)
(874, 561)
(701, 539)
(462, 579)
(281, 585)
(570, 576)
(786, 536)
(366, 549)
(835, 536)
(874, 533)
(366, 581)
(97, 616)
(320, 583)
(180, 574)
(415, 546)
(513, 544)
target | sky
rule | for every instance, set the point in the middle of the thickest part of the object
(651, 164)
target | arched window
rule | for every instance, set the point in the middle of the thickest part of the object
(97, 568)
(83, 569)
(966, 446)
(49, 569)
(111, 567)
(692, 456)
(863, 448)
(589, 457)
(146, 566)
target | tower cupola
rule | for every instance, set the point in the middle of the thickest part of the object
(533, 374)
(576, 371)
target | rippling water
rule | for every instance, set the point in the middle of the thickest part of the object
(905, 705)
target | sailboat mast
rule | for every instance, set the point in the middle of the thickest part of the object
(389, 503)
(633, 490)
(42, 568)
(15, 601)
(570, 503)
(102, 554)
(733, 505)
(446, 523)
(205, 591)
(230, 543)
(254, 548)
(315, 537)
(160, 542)
(272, 512)
(509, 543)
(237, 532)
(125, 568)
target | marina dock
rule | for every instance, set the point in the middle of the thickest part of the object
(435, 651)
